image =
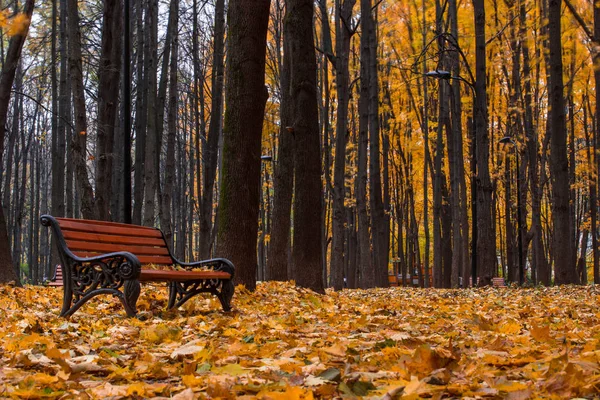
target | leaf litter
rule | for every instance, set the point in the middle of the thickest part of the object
(284, 342)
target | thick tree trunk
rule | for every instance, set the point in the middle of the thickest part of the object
(109, 77)
(9, 68)
(306, 244)
(246, 96)
(564, 270)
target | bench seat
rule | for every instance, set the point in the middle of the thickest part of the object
(100, 257)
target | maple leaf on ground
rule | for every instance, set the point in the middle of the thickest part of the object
(285, 342)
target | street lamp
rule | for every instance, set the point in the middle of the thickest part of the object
(447, 75)
(509, 140)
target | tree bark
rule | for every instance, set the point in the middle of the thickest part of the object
(150, 166)
(109, 77)
(367, 276)
(564, 270)
(306, 245)
(214, 132)
(486, 241)
(245, 96)
(141, 115)
(283, 180)
(9, 68)
(166, 198)
(79, 142)
(343, 14)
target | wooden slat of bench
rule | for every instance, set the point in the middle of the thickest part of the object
(148, 275)
(108, 238)
(144, 260)
(77, 245)
(119, 229)
(62, 220)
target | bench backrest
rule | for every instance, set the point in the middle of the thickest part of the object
(86, 238)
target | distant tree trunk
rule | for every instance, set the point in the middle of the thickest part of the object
(245, 96)
(36, 188)
(343, 14)
(512, 272)
(7, 76)
(141, 114)
(306, 244)
(166, 222)
(151, 56)
(79, 142)
(214, 132)
(109, 77)
(283, 180)
(564, 270)
(486, 241)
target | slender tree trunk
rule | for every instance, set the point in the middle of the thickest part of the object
(343, 15)
(9, 68)
(79, 142)
(151, 55)
(141, 115)
(596, 57)
(166, 221)
(366, 267)
(426, 147)
(486, 241)
(283, 179)
(58, 127)
(246, 96)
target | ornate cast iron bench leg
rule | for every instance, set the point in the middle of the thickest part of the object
(226, 294)
(131, 292)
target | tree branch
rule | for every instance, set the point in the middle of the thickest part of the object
(580, 21)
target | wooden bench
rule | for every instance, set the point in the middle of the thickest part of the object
(99, 257)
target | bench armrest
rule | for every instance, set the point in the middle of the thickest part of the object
(217, 264)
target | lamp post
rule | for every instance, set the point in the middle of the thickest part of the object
(447, 75)
(509, 140)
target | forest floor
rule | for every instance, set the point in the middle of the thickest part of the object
(283, 342)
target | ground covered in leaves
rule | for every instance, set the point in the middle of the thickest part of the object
(283, 342)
